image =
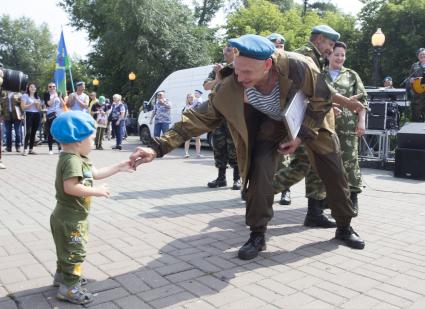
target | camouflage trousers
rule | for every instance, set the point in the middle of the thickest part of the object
(349, 144)
(298, 168)
(417, 106)
(224, 148)
(70, 237)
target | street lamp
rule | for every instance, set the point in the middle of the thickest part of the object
(95, 83)
(132, 76)
(378, 40)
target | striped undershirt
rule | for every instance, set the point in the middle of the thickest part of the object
(268, 104)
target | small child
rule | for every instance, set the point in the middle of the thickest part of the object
(74, 189)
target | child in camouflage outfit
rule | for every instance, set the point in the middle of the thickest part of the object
(74, 189)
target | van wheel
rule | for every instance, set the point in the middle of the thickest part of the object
(210, 141)
(145, 135)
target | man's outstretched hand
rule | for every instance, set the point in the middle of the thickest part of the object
(289, 147)
(142, 155)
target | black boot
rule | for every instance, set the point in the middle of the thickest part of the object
(255, 244)
(353, 198)
(285, 198)
(236, 179)
(220, 181)
(315, 216)
(324, 204)
(349, 237)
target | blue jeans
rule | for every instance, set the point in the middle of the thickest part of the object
(17, 126)
(118, 131)
(160, 127)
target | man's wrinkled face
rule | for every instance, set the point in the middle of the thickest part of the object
(251, 71)
(325, 46)
(421, 57)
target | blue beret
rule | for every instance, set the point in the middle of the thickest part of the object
(253, 46)
(276, 37)
(388, 78)
(72, 127)
(326, 31)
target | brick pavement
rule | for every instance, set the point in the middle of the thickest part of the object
(165, 240)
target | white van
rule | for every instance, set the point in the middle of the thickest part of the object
(176, 86)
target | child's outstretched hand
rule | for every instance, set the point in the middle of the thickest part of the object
(126, 166)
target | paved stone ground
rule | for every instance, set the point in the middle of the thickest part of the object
(165, 240)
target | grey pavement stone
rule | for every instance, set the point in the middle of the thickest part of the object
(166, 240)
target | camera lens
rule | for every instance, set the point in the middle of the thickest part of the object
(14, 80)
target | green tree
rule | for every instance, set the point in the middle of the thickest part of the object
(402, 23)
(206, 9)
(150, 38)
(263, 17)
(27, 47)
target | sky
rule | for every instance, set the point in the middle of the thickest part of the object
(46, 11)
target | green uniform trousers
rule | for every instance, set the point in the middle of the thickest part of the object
(70, 238)
(298, 168)
(324, 153)
(224, 148)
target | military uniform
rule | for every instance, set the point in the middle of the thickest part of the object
(417, 104)
(348, 83)
(300, 166)
(223, 146)
(257, 137)
(68, 221)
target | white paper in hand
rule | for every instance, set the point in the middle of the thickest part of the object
(294, 114)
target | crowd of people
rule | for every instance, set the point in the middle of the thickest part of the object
(249, 93)
(26, 118)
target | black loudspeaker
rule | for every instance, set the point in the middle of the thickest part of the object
(383, 116)
(410, 163)
(412, 136)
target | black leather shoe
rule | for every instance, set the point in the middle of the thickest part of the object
(285, 198)
(117, 147)
(217, 183)
(255, 244)
(319, 221)
(236, 184)
(349, 237)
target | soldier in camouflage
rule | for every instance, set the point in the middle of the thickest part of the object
(319, 47)
(418, 101)
(223, 146)
(349, 126)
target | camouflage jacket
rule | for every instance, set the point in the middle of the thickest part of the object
(295, 72)
(347, 83)
(16, 113)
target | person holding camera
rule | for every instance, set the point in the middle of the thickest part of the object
(12, 117)
(55, 105)
(31, 105)
(161, 113)
(79, 101)
(116, 117)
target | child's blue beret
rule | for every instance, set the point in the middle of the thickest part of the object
(253, 46)
(72, 127)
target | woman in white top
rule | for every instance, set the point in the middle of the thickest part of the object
(55, 106)
(190, 98)
(31, 105)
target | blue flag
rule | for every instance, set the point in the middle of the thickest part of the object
(63, 63)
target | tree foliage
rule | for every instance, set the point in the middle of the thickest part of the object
(205, 10)
(27, 47)
(402, 23)
(149, 38)
(264, 17)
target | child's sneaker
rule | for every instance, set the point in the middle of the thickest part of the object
(74, 294)
(57, 280)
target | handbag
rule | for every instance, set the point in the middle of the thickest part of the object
(51, 116)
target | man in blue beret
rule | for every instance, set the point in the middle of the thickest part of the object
(252, 100)
(319, 47)
(74, 189)
(388, 82)
(277, 39)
